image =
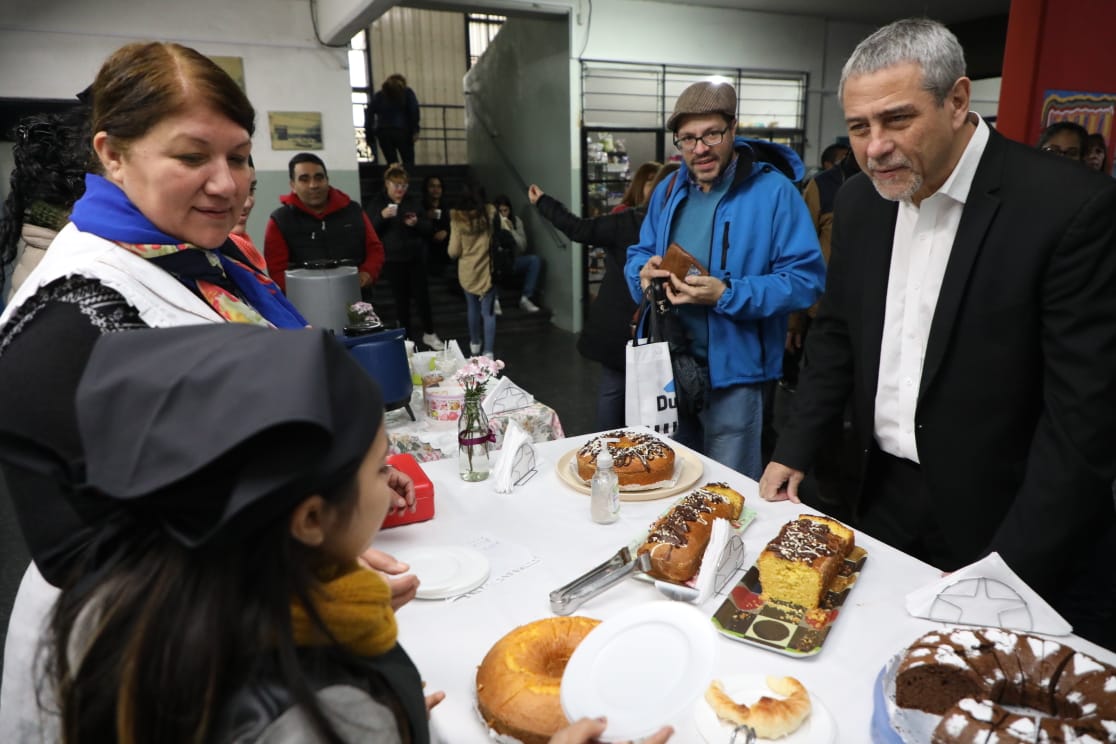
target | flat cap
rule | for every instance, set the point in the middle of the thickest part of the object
(709, 96)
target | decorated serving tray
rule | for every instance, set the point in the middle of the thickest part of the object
(780, 626)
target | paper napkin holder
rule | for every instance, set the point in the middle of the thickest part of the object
(505, 396)
(986, 593)
(518, 461)
(524, 464)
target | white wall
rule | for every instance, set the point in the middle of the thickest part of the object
(986, 96)
(53, 49)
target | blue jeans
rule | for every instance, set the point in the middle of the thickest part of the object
(531, 265)
(610, 399)
(729, 429)
(481, 311)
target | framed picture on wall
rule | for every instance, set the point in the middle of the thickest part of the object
(295, 130)
(234, 66)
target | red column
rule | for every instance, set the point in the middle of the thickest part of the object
(1017, 116)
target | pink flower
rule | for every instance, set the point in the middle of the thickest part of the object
(476, 373)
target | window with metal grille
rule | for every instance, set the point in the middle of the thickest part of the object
(619, 95)
(359, 80)
(480, 30)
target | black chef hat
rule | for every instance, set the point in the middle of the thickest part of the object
(213, 430)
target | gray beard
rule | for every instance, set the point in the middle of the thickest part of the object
(906, 195)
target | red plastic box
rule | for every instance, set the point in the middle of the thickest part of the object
(424, 492)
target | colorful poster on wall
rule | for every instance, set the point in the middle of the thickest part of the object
(295, 130)
(1094, 111)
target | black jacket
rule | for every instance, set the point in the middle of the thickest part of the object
(401, 243)
(607, 327)
(391, 679)
(1016, 411)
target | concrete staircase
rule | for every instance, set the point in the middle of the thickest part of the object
(447, 305)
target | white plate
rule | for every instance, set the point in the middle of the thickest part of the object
(446, 571)
(642, 668)
(688, 470)
(819, 728)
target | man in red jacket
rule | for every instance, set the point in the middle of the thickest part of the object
(319, 223)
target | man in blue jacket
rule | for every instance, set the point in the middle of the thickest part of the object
(733, 206)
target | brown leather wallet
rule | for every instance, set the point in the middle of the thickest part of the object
(679, 262)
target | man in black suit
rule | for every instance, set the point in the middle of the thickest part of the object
(971, 312)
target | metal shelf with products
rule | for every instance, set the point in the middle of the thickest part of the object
(607, 170)
(609, 158)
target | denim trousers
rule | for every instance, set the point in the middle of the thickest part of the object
(531, 265)
(480, 311)
(729, 429)
(610, 399)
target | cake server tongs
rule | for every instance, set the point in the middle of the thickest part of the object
(567, 599)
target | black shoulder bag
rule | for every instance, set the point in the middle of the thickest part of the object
(691, 377)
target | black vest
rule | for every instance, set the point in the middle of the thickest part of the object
(338, 236)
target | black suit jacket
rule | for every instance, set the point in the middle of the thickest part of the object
(1016, 415)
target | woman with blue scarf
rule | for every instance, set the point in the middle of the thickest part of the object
(147, 247)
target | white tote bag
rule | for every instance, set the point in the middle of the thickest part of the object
(649, 398)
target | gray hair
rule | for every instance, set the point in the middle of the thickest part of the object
(927, 43)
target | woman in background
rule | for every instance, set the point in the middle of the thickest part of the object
(400, 221)
(437, 211)
(527, 265)
(51, 155)
(239, 235)
(636, 193)
(607, 329)
(393, 116)
(470, 235)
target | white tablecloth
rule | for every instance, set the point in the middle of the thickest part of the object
(540, 537)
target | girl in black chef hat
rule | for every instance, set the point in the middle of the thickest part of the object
(224, 601)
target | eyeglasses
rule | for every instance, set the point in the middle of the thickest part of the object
(709, 139)
(1069, 152)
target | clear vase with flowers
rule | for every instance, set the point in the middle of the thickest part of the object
(474, 436)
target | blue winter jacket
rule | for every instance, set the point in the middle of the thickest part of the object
(765, 249)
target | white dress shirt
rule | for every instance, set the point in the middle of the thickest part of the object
(920, 251)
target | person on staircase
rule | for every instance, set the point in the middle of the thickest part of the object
(401, 222)
(437, 208)
(470, 234)
(527, 265)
